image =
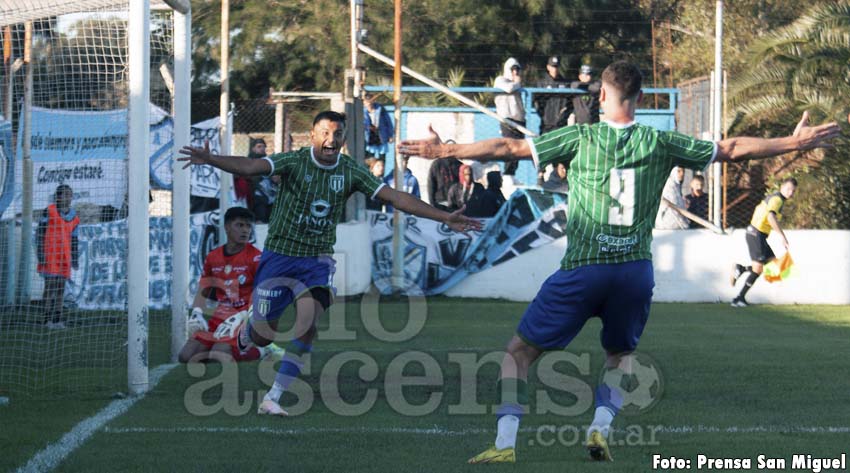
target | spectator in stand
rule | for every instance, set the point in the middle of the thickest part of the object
(697, 201)
(551, 107)
(669, 218)
(487, 203)
(557, 181)
(585, 107)
(409, 184)
(442, 175)
(379, 127)
(243, 186)
(263, 189)
(57, 248)
(376, 168)
(464, 189)
(509, 105)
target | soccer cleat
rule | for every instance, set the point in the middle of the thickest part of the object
(492, 455)
(737, 271)
(272, 352)
(739, 302)
(597, 447)
(271, 408)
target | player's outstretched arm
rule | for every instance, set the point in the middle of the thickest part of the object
(233, 164)
(405, 202)
(495, 149)
(804, 138)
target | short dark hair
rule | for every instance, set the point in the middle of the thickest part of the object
(791, 180)
(330, 115)
(625, 77)
(62, 188)
(698, 178)
(238, 212)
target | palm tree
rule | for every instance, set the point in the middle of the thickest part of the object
(802, 66)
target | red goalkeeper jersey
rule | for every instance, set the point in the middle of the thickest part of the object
(231, 279)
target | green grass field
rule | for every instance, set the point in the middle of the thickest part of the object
(766, 380)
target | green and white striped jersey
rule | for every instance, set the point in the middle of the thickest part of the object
(616, 175)
(311, 201)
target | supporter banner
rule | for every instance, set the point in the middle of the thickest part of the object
(7, 165)
(86, 150)
(100, 283)
(436, 258)
(206, 179)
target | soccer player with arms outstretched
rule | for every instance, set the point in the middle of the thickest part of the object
(617, 171)
(766, 217)
(296, 264)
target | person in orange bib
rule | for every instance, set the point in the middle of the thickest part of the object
(57, 245)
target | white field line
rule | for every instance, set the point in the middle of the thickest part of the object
(53, 454)
(445, 432)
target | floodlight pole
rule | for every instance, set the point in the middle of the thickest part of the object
(718, 110)
(398, 171)
(139, 185)
(182, 111)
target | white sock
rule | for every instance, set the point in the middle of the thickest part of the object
(602, 421)
(508, 426)
(274, 393)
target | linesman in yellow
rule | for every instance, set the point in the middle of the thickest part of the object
(766, 217)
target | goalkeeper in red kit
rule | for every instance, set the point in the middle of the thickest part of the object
(227, 281)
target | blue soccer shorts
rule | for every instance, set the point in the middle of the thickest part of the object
(281, 279)
(619, 294)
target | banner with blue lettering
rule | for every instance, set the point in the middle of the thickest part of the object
(436, 258)
(100, 283)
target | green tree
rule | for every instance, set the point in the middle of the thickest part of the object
(803, 66)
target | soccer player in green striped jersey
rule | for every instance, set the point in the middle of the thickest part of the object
(617, 169)
(296, 264)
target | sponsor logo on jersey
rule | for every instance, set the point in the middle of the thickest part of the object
(337, 182)
(320, 208)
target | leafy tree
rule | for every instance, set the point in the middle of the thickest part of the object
(803, 66)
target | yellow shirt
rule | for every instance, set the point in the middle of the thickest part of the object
(772, 203)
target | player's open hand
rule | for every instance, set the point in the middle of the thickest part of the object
(193, 155)
(460, 223)
(429, 148)
(811, 137)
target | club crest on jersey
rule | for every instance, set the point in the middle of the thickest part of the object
(263, 307)
(228, 269)
(242, 279)
(337, 183)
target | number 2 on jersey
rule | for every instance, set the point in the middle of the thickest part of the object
(622, 190)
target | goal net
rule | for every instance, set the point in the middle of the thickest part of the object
(64, 132)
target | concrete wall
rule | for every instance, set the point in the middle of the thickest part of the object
(693, 266)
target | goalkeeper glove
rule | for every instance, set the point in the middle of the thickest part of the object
(228, 328)
(197, 322)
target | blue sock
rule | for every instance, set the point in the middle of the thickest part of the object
(609, 397)
(290, 367)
